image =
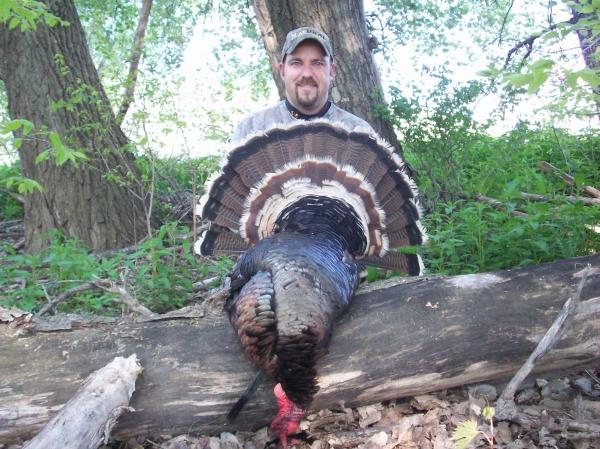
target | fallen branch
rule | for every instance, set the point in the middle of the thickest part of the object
(10, 224)
(498, 205)
(549, 168)
(592, 191)
(569, 180)
(571, 198)
(586, 201)
(87, 419)
(51, 305)
(124, 297)
(547, 342)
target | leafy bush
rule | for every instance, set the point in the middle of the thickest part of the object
(10, 207)
(173, 180)
(159, 274)
(456, 162)
(469, 236)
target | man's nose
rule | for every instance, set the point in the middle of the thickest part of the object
(307, 71)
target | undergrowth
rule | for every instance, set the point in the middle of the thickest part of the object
(159, 274)
(465, 235)
(10, 207)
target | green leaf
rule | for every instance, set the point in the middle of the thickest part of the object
(488, 412)
(542, 245)
(490, 72)
(79, 155)
(29, 185)
(590, 76)
(43, 156)
(541, 64)
(14, 22)
(585, 9)
(519, 79)
(27, 126)
(465, 433)
(62, 153)
(11, 126)
(538, 79)
(571, 78)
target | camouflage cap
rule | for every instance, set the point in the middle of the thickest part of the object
(295, 37)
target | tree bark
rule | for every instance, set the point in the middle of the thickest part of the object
(357, 87)
(589, 41)
(399, 338)
(51, 81)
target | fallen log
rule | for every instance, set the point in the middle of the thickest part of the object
(86, 420)
(399, 338)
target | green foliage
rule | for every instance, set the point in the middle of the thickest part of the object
(60, 152)
(407, 20)
(169, 177)
(159, 274)
(12, 182)
(435, 130)
(26, 14)
(110, 27)
(468, 236)
(550, 56)
(455, 161)
(10, 207)
(465, 432)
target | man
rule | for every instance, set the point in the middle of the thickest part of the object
(307, 70)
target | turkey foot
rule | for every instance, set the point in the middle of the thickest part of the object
(288, 418)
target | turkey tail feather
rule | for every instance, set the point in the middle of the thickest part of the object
(246, 395)
(320, 172)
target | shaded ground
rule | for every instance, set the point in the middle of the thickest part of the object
(559, 412)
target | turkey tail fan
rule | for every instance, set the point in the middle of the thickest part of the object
(218, 241)
(290, 177)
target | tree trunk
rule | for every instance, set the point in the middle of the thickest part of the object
(51, 81)
(589, 41)
(399, 338)
(357, 87)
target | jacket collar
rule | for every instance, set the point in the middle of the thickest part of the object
(301, 116)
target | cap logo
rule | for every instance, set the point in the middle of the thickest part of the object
(295, 37)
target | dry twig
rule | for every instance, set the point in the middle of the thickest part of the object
(51, 305)
(547, 342)
(498, 204)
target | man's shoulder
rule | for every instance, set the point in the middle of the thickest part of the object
(261, 120)
(351, 121)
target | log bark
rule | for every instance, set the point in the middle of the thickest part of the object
(86, 420)
(399, 338)
(357, 87)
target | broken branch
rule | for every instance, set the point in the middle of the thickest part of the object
(87, 419)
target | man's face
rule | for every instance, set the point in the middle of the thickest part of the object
(307, 74)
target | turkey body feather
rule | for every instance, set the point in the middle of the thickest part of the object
(296, 285)
(303, 205)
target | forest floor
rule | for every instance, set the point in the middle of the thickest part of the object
(553, 412)
(559, 411)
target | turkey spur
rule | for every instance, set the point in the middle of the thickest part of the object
(305, 206)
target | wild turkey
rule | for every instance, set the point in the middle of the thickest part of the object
(306, 204)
